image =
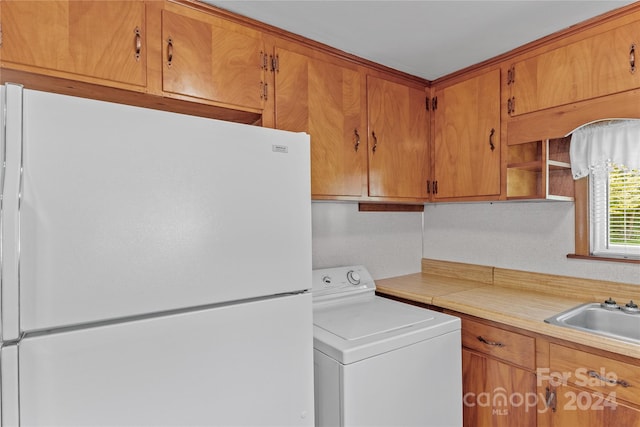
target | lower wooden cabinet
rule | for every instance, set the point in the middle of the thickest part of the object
(496, 393)
(587, 389)
(511, 377)
(498, 376)
(577, 407)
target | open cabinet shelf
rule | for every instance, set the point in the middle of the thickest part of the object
(540, 170)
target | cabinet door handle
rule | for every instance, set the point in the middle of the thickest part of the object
(169, 52)
(357, 144)
(493, 131)
(375, 142)
(550, 399)
(492, 343)
(138, 43)
(632, 58)
(623, 383)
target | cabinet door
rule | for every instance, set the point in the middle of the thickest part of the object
(209, 58)
(103, 40)
(576, 407)
(467, 138)
(597, 66)
(398, 140)
(496, 394)
(324, 100)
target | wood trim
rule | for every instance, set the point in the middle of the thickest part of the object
(564, 286)
(559, 121)
(600, 258)
(368, 199)
(458, 270)
(581, 193)
(389, 207)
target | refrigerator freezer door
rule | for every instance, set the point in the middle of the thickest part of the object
(126, 211)
(240, 365)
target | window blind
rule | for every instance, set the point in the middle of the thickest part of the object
(615, 210)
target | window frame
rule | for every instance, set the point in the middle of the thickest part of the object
(582, 226)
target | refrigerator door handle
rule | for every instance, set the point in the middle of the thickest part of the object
(10, 402)
(10, 219)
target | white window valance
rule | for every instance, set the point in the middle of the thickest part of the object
(616, 141)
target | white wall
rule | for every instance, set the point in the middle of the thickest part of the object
(387, 243)
(529, 236)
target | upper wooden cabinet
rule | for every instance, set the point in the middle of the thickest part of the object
(95, 41)
(398, 140)
(325, 99)
(213, 59)
(384, 159)
(467, 138)
(596, 66)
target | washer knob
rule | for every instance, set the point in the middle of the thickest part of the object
(353, 277)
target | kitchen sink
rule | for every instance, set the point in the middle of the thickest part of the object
(607, 319)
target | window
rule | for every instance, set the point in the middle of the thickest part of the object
(615, 211)
(609, 154)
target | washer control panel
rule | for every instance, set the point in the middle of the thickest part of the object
(342, 280)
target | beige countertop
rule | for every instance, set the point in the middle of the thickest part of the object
(514, 305)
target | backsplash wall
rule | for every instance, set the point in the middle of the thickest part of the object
(529, 236)
(387, 243)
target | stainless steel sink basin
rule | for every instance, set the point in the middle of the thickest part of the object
(594, 318)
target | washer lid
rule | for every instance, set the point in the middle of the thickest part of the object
(365, 317)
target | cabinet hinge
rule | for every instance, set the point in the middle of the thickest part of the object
(511, 75)
(511, 105)
(434, 103)
(275, 63)
(264, 90)
(264, 58)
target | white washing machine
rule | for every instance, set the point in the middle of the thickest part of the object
(380, 362)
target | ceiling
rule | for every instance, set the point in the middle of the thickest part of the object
(429, 39)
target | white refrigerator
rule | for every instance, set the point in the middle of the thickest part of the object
(156, 268)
